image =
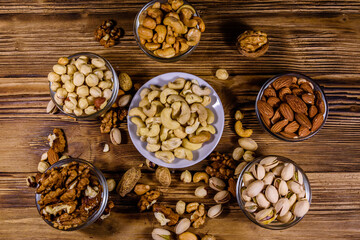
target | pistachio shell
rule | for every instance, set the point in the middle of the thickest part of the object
(255, 188)
(239, 168)
(182, 226)
(301, 207)
(258, 171)
(271, 194)
(302, 194)
(222, 197)
(281, 186)
(262, 201)
(269, 177)
(217, 184)
(288, 171)
(288, 217)
(298, 177)
(282, 206)
(215, 211)
(251, 207)
(265, 216)
(269, 162)
(248, 178)
(244, 195)
(161, 234)
(295, 187)
(278, 169)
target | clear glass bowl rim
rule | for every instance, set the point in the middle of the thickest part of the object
(111, 101)
(316, 87)
(104, 195)
(149, 53)
(249, 215)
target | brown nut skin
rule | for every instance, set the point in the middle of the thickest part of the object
(258, 52)
(141, 189)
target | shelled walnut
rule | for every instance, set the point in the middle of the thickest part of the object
(112, 119)
(107, 34)
(168, 213)
(148, 199)
(252, 43)
(222, 166)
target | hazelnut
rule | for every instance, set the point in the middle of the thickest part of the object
(53, 77)
(82, 91)
(83, 103)
(99, 73)
(78, 79)
(69, 86)
(65, 78)
(111, 184)
(95, 92)
(59, 69)
(85, 69)
(92, 80)
(63, 61)
(78, 111)
(186, 176)
(72, 94)
(90, 110)
(107, 93)
(85, 58)
(79, 62)
(98, 62)
(67, 110)
(61, 93)
(54, 86)
(222, 74)
(70, 69)
(105, 84)
(42, 166)
(108, 75)
(90, 100)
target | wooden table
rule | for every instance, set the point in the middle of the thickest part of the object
(318, 38)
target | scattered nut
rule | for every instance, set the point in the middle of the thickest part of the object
(163, 175)
(249, 156)
(201, 192)
(186, 176)
(239, 115)
(187, 236)
(106, 148)
(182, 226)
(111, 184)
(125, 81)
(192, 207)
(128, 181)
(180, 207)
(107, 34)
(222, 74)
(44, 156)
(42, 166)
(161, 234)
(215, 211)
(124, 100)
(238, 153)
(208, 237)
(115, 136)
(51, 107)
(141, 189)
(222, 197)
(252, 43)
(31, 181)
(201, 176)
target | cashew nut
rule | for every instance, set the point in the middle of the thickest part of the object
(241, 131)
(175, 98)
(201, 138)
(153, 147)
(137, 112)
(211, 117)
(175, 23)
(144, 92)
(206, 100)
(208, 128)
(144, 102)
(183, 153)
(176, 109)
(180, 132)
(154, 88)
(165, 53)
(185, 113)
(149, 22)
(192, 128)
(152, 46)
(172, 143)
(201, 111)
(201, 176)
(185, 16)
(145, 33)
(201, 23)
(139, 124)
(163, 133)
(193, 36)
(191, 146)
(150, 112)
(192, 119)
(153, 140)
(193, 98)
(153, 120)
(153, 94)
(153, 131)
(166, 119)
(194, 81)
(200, 91)
(164, 94)
(161, 33)
(166, 156)
(179, 83)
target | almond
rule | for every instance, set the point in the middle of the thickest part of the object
(296, 104)
(303, 131)
(289, 135)
(269, 92)
(265, 109)
(273, 101)
(263, 98)
(303, 120)
(53, 157)
(308, 98)
(277, 127)
(266, 121)
(292, 127)
(294, 80)
(319, 102)
(317, 121)
(283, 81)
(297, 91)
(307, 87)
(286, 111)
(98, 101)
(293, 86)
(312, 111)
(283, 92)
(276, 117)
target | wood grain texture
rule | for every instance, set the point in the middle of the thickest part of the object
(318, 38)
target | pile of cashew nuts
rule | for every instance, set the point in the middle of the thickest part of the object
(173, 119)
(169, 29)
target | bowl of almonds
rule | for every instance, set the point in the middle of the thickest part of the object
(291, 107)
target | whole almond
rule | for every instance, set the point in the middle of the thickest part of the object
(312, 111)
(53, 157)
(289, 135)
(283, 81)
(320, 105)
(303, 131)
(269, 92)
(283, 92)
(263, 98)
(292, 127)
(266, 121)
(303, 120)
(317, 121)
(308, 98)
(306, 87)
(286, 111)
(296, 104)
(297, 91)
(276, 117)
(273, 101)
(293, 86)
(265, 109)
(277, 127)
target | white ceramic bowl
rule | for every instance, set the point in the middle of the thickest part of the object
(207, 147)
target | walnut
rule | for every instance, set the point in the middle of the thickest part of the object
(59, 143)
(107, 34)
(148, 199)
(252, 43)
(222, 166)
(168, 213)
(112, 119)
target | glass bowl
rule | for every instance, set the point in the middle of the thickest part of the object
(316, 88)
(275, 225)
(111, 101)
(149, 53)
(104, 195)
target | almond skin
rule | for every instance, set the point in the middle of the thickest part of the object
(289, 135)
(283, 81)
(308, 98)
(265, 109)
(319, 102)
(303, 120)
(296, 104)
(269, 92)
(317, 121)
(292, 127)
(303, 131)
(277, 127)
(297, 91)
(273, 101)
(276, 117)
(312, 111)
(307, 88)
(283, 92)
(286, 111)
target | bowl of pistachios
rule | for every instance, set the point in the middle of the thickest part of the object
(273, 192)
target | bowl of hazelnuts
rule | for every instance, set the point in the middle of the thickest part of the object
(83, 85)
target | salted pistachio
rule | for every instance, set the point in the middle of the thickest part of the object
(302, 194)
(201, 192)
(249, 156)
(248, 178)
(222, 197)
(217, 184)
(292, 198)
(288, 171)
(262, 201)
(244, 195)
(163, 175)
(288, 217)
(281, 186)
(255, 188)
(258, 171)
(186, 177)
(269, 162)
(239, 168)
(269, 177)
(215, 211)
(182, 226)
(161, 234)
(266, 216)
(295, 187)
(271, 194)
(301, 207)
(278, 169)
(248, 144)
(251, 207)
(238, 153)
(180, 207)
(282, 206)
(298, 177)
(115, 136)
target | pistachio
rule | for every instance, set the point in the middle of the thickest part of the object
(192, 207)
(249, 156)
(215, 211)
(295, 187)
(161, 234)
(281, 186)
(180, 207)
(163, 176)
(141, 189)
(248, 178)
(182, 226)
(186, 177)
(201, 192)
(238, 115)
(115, 136)
(254, 188)
(301, 207)
(282, 206)
(266, 216)
(269, 177)
(251, 207)
(217, 184)
(298, 177)
(269, 162)
(288, 217)
(288, 171)
(244, 195)
(248, 144)
(124, 100)
(187, 236)
(239, 168)
(292, 198)
(302, 194)
(271, 194)
(238, 153)
(278, 169)
(111, 184)
(51, 107)
(262, 201)
(201, 176)
(222, 197)
(258, 171)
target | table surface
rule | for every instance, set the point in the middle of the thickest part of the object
(318, 38)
